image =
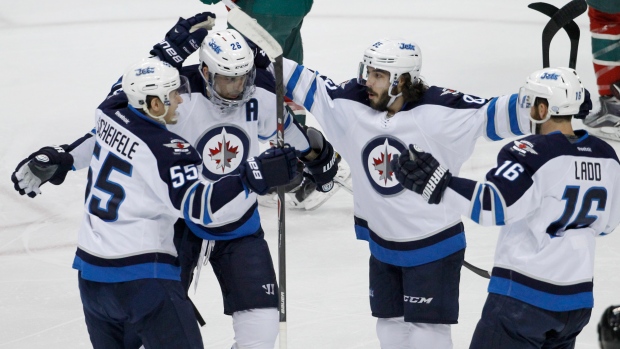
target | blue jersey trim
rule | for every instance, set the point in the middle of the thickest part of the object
(249, 227)
(544, 300)
(139, 114)
(415, 257)
(512, 115)
(309, 101)
(206, 219)
(491, 121)
(477, 208)
(149, 270)
(287, 123)
(292, 82)
(499, 208)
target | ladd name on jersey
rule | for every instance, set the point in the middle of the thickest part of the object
(587, 171)
(113, 137)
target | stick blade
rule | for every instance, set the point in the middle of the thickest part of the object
(248, 26)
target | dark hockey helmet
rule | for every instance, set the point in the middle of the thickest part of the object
(609, 328)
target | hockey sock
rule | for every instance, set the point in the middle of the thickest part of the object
(605, 30)
(256, 328)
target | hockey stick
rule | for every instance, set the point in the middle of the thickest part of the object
(485, 274)
(562, 18)
(344, 185)
(250, 28)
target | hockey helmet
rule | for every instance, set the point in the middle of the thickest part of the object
(229, 59)
(561, 87)
(152, 77)
(609, 328)
(396, 56)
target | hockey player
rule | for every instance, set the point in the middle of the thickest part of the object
(552, 193)
(141, 179)
(231, 110)
(605, 29)
(609, 328)
(369, 120)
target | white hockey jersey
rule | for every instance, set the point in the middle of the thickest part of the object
(552, 196)
(224, 139)
(401, 228)
(142, 178)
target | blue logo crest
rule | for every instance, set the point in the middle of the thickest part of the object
(377, 44)
(144, 71)
(404, 46)
(215, 47)
(547, 76)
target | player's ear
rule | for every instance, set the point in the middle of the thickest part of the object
(156, 106)
(542, 110)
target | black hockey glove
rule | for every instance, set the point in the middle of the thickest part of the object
(585, 107)
(261, 60)
(420, 172)
(184, 39)
(48, 164)
(272, 168)
(323, 168)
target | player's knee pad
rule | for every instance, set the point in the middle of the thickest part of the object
(256, 328)
(430, 336)
(393, 333)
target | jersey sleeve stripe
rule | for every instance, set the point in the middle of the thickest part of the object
(196, 202)
(498, 206)
(309, 101)
(204, 201)
(292, 82)
(287, 123)
(512, 114)
(476, 209)
(491, 130)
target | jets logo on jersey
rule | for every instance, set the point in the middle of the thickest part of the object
(523, 147)
(178, 146)
(222, 148)
(376, 158)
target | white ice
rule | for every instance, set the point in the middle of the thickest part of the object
(57, 61)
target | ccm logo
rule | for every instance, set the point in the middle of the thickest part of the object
(409, 299)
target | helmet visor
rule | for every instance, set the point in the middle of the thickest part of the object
(362, 74)
(184, 90)
(231, 91)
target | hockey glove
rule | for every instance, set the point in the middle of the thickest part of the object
(261, 60)
(420, 172)
(585, 107)
(184, 39)
(323, 167)
(48, 164)
(272, 168)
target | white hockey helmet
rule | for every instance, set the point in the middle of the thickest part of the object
(226, 53)
(396, 56)
(561, 87)
(152, 77)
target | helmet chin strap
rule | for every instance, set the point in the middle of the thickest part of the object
(161, 119)
(392, 96)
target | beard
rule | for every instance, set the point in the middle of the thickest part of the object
(382, 101)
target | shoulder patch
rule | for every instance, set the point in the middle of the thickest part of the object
(522, 147)
(178, 146)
